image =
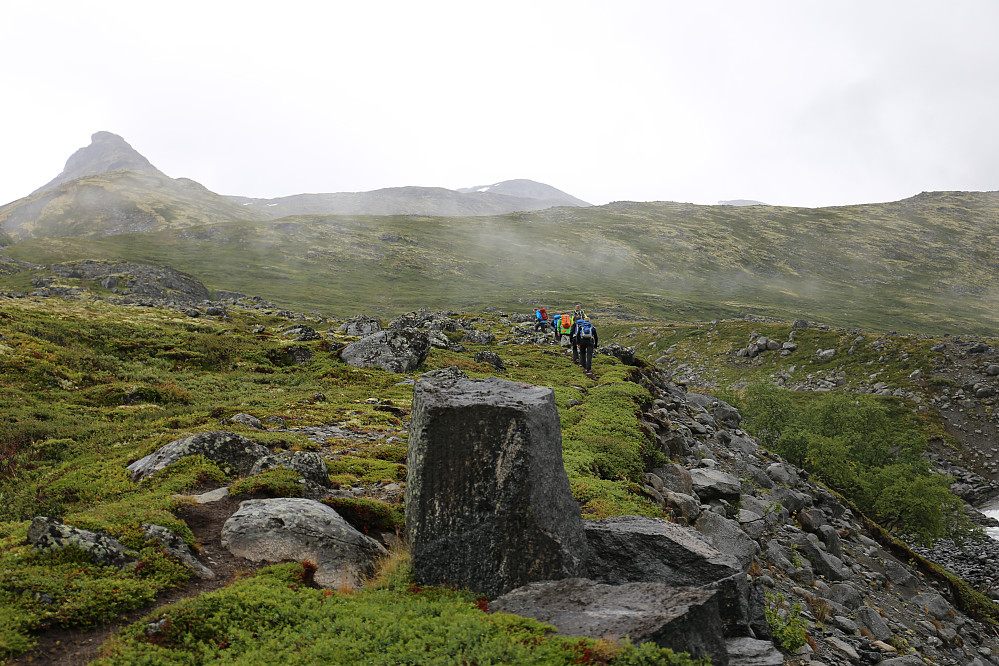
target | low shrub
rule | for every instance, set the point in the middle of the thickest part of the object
(369, 515)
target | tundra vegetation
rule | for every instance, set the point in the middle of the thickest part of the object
(90, 387)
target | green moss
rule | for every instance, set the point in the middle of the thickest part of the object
(366, 470)
(276, 482)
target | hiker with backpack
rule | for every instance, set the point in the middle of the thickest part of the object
(577, 316)
(540, 319)
(585, 335)
(563, 326)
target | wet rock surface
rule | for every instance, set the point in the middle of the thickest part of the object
(488, 504)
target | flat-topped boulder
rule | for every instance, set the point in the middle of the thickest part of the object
(488, 503)
(683, 619)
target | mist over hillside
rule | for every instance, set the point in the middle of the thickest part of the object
(923, 264)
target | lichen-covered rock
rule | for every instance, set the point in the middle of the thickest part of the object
(360, 326)
(302, 333)
(307, 463)
(439, 340)
(488, 503)
(248, 420)
(394, 350)
(475, 337)
(225, 448)
(50, 534)
(451, 372)
(274, 530)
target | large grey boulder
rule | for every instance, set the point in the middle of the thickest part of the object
(628, 549)
(634, 548)
(225, 448)
(825, 564)
(307, 463)
(274, 530)
(713, 484)
(402, 350)
(683, 619)
(488, 503)
(50, 534)
(726, 536)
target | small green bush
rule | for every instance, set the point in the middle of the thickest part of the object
(369, 515)
(866, 449)
(788, 627)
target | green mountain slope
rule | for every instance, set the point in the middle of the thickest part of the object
(923, 264)
(115, 202)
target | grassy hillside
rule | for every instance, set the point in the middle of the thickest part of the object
(924, 264)
(117, 202)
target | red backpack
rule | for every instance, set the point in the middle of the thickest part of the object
(544, 315)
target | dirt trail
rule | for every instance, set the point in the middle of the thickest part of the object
(74, 647)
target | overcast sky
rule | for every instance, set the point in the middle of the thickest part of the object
(802, 102)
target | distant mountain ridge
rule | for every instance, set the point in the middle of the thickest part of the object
(108, 188)
(492, 200)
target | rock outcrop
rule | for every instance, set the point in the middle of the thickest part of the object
(396, 350)
(488, 504)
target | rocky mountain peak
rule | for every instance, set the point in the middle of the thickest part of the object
(106, 152)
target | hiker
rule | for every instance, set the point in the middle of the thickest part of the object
(586, 337)
(540, 319)
(563, 326)
(577, 316)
